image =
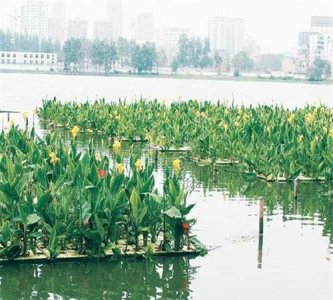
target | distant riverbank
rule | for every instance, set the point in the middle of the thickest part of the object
(223, 77)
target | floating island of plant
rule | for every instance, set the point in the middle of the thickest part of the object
(58, 202)
(271, 142)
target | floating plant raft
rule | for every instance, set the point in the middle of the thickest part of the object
(219, 162)
(135, 139)
(168, 149)
(120, 251)
(272, 178)
(73, 201)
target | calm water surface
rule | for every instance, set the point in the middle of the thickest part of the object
(25, 91)
(291, 260)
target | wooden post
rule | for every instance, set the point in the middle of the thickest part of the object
(156, 157)
(261, 232)
(296, 182)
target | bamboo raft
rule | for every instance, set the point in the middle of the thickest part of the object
(42, 254)
(168, 149)
(136, 139)
(218, 162)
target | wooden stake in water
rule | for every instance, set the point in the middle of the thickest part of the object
(156, 157)
(296, 182)
(261, 232)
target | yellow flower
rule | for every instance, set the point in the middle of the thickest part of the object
(116, 147)
(11, 123)
(98, 157)
(75, 131)
(200, 114)
(309, 118)
(138, 165)
(24, 115)
(325, 129)
(176, 166)
(1, 156)
(237, 124)
(53, 158)
(267, 129)
(120, 168)
(291, 119)
(301, 138)
(246, 117)
(330, 133)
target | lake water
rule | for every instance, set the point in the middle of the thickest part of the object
(25, 91)
(292, 259)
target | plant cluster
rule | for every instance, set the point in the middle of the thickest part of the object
(54, 197)
(269, 141)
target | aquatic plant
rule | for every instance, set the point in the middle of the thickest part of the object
(54, 197)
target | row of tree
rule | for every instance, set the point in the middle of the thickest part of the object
(193, 52)
(104, 55)
(22, 42)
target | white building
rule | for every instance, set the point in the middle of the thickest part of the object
(141, 28)
(77, 29)
(321, 44)
(226, 34)
(317, 43)
(103, 30)
(19, 60)
(34, 18)
(115, 15)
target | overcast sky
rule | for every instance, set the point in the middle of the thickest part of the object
(274, 24)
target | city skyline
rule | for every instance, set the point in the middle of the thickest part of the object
(191, 15)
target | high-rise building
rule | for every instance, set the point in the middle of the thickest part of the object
(34, 18)
(103, 30)
(56, 21)
(77, 29)
(115, 15)
(322, 24)
(56, 29)
(226, 34)
(317, 43)
(142, 28)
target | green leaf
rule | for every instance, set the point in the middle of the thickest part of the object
(43, 202)
(173, 213)
(99, 226)
(86, 211)
(32, 219)
(134, 200)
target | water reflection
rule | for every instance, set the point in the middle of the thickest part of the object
(161, 278)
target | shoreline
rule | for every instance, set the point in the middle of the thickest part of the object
(170, 76)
